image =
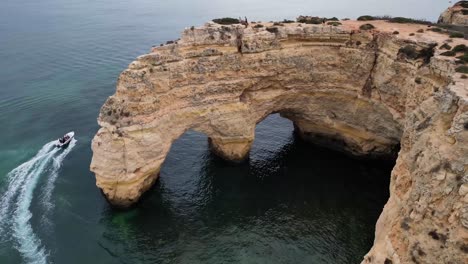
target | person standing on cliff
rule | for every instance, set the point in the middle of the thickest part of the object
(244, 22)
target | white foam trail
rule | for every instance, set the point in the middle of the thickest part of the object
(15, 178)
(50, 185)
(29, 244)
(22, 182)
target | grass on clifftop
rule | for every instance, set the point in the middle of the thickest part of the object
(462, 48)
(226, 21)
(315, 20)
(447, 29)
(405, 20)
(394, 19)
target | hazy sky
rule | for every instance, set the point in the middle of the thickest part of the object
(427, 9)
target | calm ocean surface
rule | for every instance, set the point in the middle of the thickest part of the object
(290, 203)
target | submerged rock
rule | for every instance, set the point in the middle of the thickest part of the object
(363, 92)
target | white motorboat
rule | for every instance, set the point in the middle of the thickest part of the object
(65, 140)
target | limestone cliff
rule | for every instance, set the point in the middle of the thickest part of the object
(365, 92)
(456, 15)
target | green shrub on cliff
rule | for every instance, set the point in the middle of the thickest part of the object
(334, 23)
(366, 18)
(226, 21)
(462, 69)
(366, 27)
(463, 57)
(456, 35)
(315, 20)
(436, 29)
(460, 48)
(311, 20)
(448, 53)
(446, 46)
(409, 52)
(406, 20)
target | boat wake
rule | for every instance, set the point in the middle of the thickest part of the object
(15, 203)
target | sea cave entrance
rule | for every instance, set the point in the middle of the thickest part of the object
(290, 201)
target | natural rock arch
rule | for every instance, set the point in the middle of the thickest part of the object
(366, 92)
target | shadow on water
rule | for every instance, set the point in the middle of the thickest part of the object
(291, 202)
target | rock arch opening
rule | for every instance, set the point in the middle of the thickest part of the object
(323, 200)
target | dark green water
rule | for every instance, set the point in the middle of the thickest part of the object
(290, 203)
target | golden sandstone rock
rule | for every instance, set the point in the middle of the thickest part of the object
(456, 15)
(364, 92)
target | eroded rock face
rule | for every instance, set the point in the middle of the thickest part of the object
(361, 92)
(456, 15)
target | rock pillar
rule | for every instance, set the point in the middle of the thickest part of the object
(231, 149)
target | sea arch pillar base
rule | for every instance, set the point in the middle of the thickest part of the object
(236, 149)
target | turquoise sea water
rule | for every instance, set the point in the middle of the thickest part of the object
(290, 203)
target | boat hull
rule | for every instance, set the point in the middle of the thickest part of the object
(71, 135)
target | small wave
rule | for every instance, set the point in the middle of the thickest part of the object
(15, 213)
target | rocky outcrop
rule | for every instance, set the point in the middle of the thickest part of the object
(364, 92)
(456, 15)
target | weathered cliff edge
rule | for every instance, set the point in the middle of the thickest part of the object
(355, 90)
(455, 15)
